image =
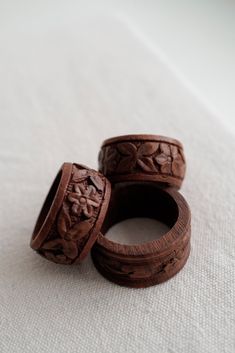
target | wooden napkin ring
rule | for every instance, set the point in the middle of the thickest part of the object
(72, 214)
(150, 263)
(143, 158)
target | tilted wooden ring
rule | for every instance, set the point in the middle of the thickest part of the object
(150, 263)
(143, 158)
(72, 214)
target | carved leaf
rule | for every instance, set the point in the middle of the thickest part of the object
(76, 209)
(148, 148)
(64, 222)
(111, 153)
(88, 210)
(127, 148)
(146, 163)
(80, 175)
(79, 230)
(126, 165)
(110, 166)
(79, 189)
(166, 168)
(59, 259)
(56, 244)
(97, 181)
(174, 151)
(178, 164)
(165, 148)
(90, 191)
(110, 160)
(161, 159)
(70, 249)
(178, 167)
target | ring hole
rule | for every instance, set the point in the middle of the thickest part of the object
(137, 231)
(139, 213)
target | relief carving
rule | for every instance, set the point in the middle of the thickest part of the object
(147, 157)
(76, 218)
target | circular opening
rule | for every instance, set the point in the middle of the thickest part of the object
(139, 213)
(47, 204)
(137, 231)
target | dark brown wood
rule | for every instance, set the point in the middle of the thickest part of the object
(143, 157)
(150, 263)
(72, 214)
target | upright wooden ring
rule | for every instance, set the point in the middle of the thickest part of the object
(72, 214)
(143, 158)
(150, 263)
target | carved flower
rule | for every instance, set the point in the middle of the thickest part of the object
(170, 160)
(164, 159)
(65, 249)
(140, 156)
(83, 200)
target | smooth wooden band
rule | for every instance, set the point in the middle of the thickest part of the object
(143, 158)
(150, 263)
(72, 214)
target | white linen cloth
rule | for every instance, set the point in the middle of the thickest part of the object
(64, 87)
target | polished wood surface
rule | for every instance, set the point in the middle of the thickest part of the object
(143, 157)
(150, 263)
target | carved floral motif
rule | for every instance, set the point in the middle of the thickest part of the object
(164, 158)
(83, 200)
(136, 156)
(148, 157)
(76, 217)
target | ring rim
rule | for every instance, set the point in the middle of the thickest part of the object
(141, 137)
(37, 239)
(152, 281)
(147, 249)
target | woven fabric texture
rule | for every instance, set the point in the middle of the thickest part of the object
(64, 88)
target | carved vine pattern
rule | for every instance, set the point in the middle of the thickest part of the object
(137, 272)
(148, 157)
(76, 217)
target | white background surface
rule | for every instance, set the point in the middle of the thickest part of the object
(72, 74)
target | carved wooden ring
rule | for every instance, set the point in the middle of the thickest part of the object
(150, 263)
(143, 158)
(72, 214)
